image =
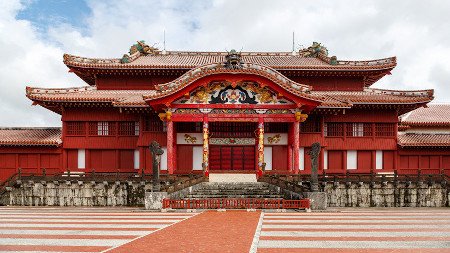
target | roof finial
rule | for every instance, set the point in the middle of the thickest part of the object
(293, 44)
(164, 43)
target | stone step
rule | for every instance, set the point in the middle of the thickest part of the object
(233, 191)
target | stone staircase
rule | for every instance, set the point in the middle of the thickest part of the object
(235, 190)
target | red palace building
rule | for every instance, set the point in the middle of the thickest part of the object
(245, 112)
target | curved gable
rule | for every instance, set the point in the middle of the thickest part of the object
(248, 80)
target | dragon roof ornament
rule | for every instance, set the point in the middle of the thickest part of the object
(318, 50)
(137, 49)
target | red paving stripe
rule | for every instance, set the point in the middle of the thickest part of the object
(298, 250)
(89, 223)
(211, 231)
(90, 218)
(357, 229)
(359, 218)
(78, 228)
(310, 238)
(354, 223)
(43, 236)
(362, 214)
(52, 248)
(97, 214)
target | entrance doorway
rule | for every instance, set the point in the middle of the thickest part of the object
(232, 157)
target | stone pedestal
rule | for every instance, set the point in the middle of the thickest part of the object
(153, 200)
(318, 200)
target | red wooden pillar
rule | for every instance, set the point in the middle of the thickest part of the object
(260, 146)
(290, 158)
(290, 144)
(174, 154)
(205, 146)
(296, 145)
(170, 153)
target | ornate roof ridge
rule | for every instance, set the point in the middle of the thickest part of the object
(70, 59)
(39, 90)
(414, 93)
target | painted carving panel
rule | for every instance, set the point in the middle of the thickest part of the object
(190, 138)
(275, 139)
(224, 92)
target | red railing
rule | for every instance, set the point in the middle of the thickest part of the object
(236, 203)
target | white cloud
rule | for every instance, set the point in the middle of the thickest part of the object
(415, 31)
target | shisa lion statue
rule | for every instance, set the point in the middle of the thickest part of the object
(314, 154)
(156, 151)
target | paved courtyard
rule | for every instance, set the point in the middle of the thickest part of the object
(132, 230)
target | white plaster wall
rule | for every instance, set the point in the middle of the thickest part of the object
(81, 159)
(197, 157)
(164, 159)
(352, 160)
(268, 157)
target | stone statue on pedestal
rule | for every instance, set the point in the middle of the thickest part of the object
(156, 151)
(314, 153)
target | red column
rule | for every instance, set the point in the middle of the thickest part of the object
(290, 158)
(205, 146)
(260, 146)
(296, 145)
(170, 153)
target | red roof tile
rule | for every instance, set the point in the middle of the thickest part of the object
(135, 98)
(188, 60)
(423, 140)
(372, 96)
(432, 115)
(30, 136)
(90, 94)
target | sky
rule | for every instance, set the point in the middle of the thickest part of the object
(34, 35)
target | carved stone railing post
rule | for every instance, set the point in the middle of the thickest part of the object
(156, 151)
(314, 153)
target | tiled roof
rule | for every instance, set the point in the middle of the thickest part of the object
(30, 136)
(90, 94)
(189, 60)
(372, 96)
(432, 115)
(135, 98)
(423, 140)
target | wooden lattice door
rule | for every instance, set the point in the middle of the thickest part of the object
(232, 157)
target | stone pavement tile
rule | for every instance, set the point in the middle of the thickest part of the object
(211, 231)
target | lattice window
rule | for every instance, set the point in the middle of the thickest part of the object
(189, 127)
(129, 128)
(359, 129)
(385, 129)
(276, 127)
(232, 129)
(311, 125)
(102, 128)
(75, 128)
(334, 129)
(154, 124)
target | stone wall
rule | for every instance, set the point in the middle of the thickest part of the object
(339, 194)
(387, 194)
(76, 193)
